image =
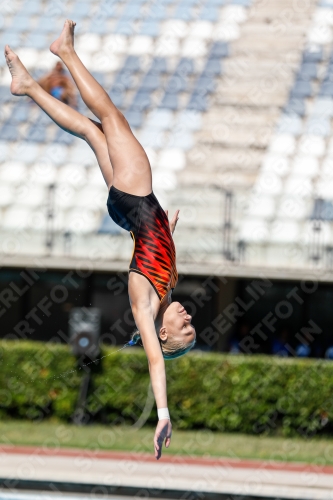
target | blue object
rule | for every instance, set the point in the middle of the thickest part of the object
(198, 102)
(209, 13)
(151, 81)
(185, 67)
(57, 92)
(176, 84)
(99, 26)
(315, 55)
(322, 210)
(156, 12)
(81, 10)
(108, 226)
(318, 125)
(159, 65)
(134, 117)
(303, 351)
(183, 12)
(326, 89)
(31, 7)
(217, 2)
(244, 3)
(9, 132)
(203, 85)
(125, 27)
(329, 353)
(169, 101)
(301, 89)
(295, 105)
(63, 137)
(141, 100)
(150, 28)
(124, 80)
(20, 113)
(36, 133)
(5, 95)
(10, 38)
(117, 97)
(20, 23)
(36, 40)
(132, 63)
(219, 49)
(213, 67)
(308, 69)
(132, 11)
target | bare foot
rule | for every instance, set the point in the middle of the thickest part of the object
(65, 42)
(21, 80)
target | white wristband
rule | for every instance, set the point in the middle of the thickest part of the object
(163, 413)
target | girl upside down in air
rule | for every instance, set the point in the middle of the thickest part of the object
(165, 327)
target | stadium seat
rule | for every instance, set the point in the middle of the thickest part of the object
(132, 11)
(92, 196)
(117, 96)
(312, 145)
(36, 40)
(209, 13)
(36, 133)
(295, 105)
(132, 63)
(11, 38)
(212, 67)
(190, 120)
(5, 95)
(31, 195)
(26, 151)
(183, 12)
(219, 50)
(305, 166)
(326, 89)
(169, 101)
(81, 10)
(99, 26)
(80, 153)
(150, 28)
(164, 180)
(63, 137)
(254, 230)
(15, 217)
(303, 351)
(282, 143)
(172, 159)
(161, 119)
(203, 85)
(301, 89)
(217, 2)
(64, 195)
(298, 186)
(262, 207)
(307, 71)
(73, 174)
(159, 65)
(194, 47)
(276, 163)
(56, 153)
(318, 125)
(13, 172)
(322, 210)
(141, 101)
(268, 183)
(152, 138)
(20, 23)
(289, 124)
(151, 81)
(134, 117)
(82, 221)
(6, 195)
(180, 139)
(156, 12)
(141, 45)
(31, 7)
(124, 80)
(185, 67)
(125, 27)
(20, 113)
(9, 132)
(313, 55)
(108, 226)
(284, 231)
(324, 188)
(89, 42)
(198, 102)
(293, 208)
(176, 83)
(43, 174)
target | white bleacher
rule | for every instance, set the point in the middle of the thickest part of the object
(230, 132)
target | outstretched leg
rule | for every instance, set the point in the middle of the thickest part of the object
(131, 168)
(67, 118)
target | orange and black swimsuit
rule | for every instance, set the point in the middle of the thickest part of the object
(154, 254)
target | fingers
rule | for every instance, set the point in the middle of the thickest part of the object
(167, 442)
(158, 447)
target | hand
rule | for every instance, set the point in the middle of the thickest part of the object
(163, 431)
(173, 221)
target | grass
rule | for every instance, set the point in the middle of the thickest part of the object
(317, 451)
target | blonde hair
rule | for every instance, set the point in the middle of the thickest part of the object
(171, 349)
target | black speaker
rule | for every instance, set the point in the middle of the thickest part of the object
(84, 331)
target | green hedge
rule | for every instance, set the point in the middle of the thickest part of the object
(233, 393)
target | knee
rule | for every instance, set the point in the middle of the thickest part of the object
(116, 120)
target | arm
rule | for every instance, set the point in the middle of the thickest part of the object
(144, 321)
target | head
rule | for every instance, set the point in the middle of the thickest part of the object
(176, 335)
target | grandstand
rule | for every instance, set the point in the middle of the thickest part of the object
(232, 100)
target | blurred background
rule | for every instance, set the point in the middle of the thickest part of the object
(232, 100)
